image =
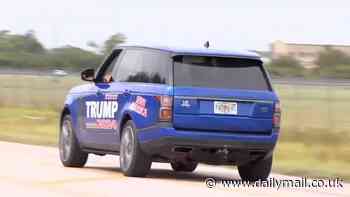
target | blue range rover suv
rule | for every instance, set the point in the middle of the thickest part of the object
(180, 106)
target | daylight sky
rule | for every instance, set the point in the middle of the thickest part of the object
(231, 24)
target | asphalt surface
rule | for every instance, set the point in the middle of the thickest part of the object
(28, 170)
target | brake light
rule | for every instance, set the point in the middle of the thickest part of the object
(277, 116)
(166, 108)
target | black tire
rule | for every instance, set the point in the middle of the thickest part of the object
(188, 166)
(70, 153)
(256, 170)
(133, 161)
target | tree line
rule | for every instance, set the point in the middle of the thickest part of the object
(331, 63)
(26, 51)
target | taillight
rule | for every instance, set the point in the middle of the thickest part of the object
(277, 116)
(166, 108)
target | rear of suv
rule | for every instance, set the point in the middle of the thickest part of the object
(178, 106)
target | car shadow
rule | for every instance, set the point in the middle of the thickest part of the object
(168, 174)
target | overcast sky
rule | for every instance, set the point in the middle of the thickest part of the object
(231, 24)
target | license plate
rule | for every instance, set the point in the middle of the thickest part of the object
(229, 108)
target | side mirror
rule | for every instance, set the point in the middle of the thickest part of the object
(88, 75)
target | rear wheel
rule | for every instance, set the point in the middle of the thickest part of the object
(133, 161)
(187, 166)
(70, 153)
(256, 170)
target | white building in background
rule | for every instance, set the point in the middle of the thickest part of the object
(306, 54)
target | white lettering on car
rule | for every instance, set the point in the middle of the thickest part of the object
(101, 109)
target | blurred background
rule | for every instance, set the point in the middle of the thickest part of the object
(305, 46)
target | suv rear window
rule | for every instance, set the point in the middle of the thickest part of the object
(219, 72)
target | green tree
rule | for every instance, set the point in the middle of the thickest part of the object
(109, 44)
(26, 51)
(4, 32)
(31, 43)
(20, 43)
(113, 41)
(333, 64)
(285, 66)
(73, 57)
(332, 57)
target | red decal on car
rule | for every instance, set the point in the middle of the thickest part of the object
(102, 124)
(139, 106)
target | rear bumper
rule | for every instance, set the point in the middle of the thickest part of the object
(163, 141)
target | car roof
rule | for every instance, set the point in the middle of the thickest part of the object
(197, 51)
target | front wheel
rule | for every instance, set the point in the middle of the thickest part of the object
(256, 170)
(133, 161)
(71, 154)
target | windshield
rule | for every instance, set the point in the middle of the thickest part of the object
(219, 72)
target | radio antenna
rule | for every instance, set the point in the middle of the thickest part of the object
(207, 44)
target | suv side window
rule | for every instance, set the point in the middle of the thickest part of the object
(144, 66)
(156, 65)
(130, 64)
(105, 72)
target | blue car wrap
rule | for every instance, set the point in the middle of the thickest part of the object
(195, 126)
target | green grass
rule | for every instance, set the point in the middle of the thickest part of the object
(308, 108)
(34, 91)
(29, 125)
(313, 160)
(315, 132)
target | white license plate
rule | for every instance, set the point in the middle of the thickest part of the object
(229, 108)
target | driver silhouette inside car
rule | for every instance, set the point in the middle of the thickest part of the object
(108, 78)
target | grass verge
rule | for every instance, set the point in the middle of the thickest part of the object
(29, 125)
(317, 160)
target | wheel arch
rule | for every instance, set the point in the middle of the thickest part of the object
(65, 111)
(126, 117)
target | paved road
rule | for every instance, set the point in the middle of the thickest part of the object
(35, 171)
